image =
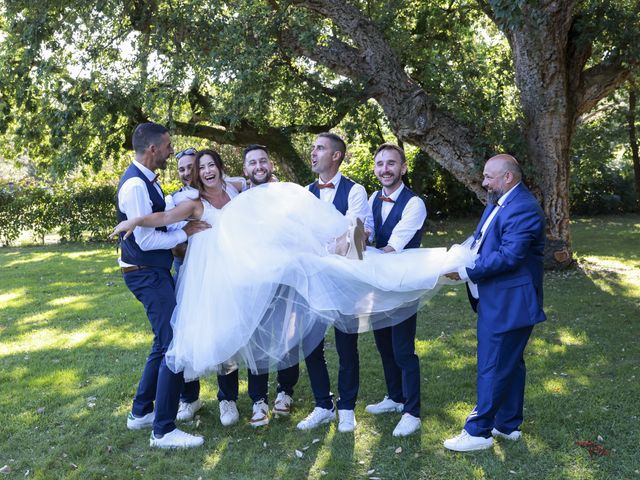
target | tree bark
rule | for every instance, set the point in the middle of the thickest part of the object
(413, 115)
(555, 88)
(633, 140)
(539, 46)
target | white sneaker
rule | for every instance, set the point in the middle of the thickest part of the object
(407, 425)
(513, 436)
(186, 411)
(385, 406)
(228, 412)
(318, 417)
(282, 405)
(467, 443)
(138, 423)
(176, 439)
(346, 420)
(260, 414)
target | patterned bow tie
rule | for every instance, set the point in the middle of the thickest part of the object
(386, 199)
(326, 185)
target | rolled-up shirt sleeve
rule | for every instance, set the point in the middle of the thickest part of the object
(359, 206)
(134, 202)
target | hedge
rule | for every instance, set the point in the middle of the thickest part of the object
(69, 210)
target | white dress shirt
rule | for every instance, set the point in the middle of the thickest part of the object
(358, 207)
(185, 193)
(134, 201)
(412, 219)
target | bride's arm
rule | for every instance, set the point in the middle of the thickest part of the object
(184, 211)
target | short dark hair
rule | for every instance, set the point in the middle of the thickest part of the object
(147, 134)
(336, 141)
(195, 175)
(391, 146)
(251, 148)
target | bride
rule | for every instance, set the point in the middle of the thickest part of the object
(275, 268)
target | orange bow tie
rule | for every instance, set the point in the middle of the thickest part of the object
(326, 185)
(386, 199)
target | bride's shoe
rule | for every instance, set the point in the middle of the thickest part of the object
(356, 239)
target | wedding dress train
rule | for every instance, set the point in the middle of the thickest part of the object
(260, 287)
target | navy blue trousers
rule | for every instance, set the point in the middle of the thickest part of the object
(154, 288)
(501, 378)
(258, 385)
(348, 372)
(400, 363)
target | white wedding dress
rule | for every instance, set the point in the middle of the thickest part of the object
(260, 288)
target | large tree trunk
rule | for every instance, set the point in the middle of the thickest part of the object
(633, 140)
(539, 48)
(549, 57)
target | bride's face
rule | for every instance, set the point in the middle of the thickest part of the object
(209, 172)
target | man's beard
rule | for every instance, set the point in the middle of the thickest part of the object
(493, 197)
(266, 179)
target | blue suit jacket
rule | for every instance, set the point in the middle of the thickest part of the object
(509, 269)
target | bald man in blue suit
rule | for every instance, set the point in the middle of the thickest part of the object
(505, 289)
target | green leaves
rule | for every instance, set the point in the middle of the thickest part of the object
(67, 209)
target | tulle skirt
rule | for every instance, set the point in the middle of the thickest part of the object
(260, 288)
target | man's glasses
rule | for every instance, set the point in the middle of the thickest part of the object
(187, 151)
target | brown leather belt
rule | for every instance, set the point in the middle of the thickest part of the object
(134, 268)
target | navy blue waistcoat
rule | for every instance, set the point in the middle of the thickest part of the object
(384, 230)
(341, 200)
(131, 251)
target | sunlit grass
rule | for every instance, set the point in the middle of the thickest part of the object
(567, 337)
(73, 341)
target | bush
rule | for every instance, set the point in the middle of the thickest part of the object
(11, 218)
(69, 210)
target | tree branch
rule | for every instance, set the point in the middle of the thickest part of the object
(277, 140)
(487, 10)
(412, 113)
(336, 56)
(597, 82)
(373, 53)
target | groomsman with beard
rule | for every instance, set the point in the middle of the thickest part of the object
(505, 289)
(190, 402)
(258, 168)
(399, 216)
(185, 159)
(350, 199)
(145, 263)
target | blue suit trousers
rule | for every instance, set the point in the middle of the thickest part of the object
(500, 381)
(154, 288)
(400, 363)
(348, 372)
(258, 385)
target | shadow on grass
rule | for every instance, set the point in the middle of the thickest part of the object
(73, 341)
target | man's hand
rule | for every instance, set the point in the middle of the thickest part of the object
(179, 250)
(195, 226)
(126, 226)
(455, 276)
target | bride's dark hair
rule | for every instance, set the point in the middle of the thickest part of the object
(195, 175)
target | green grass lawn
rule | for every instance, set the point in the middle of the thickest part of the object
(73, 341)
